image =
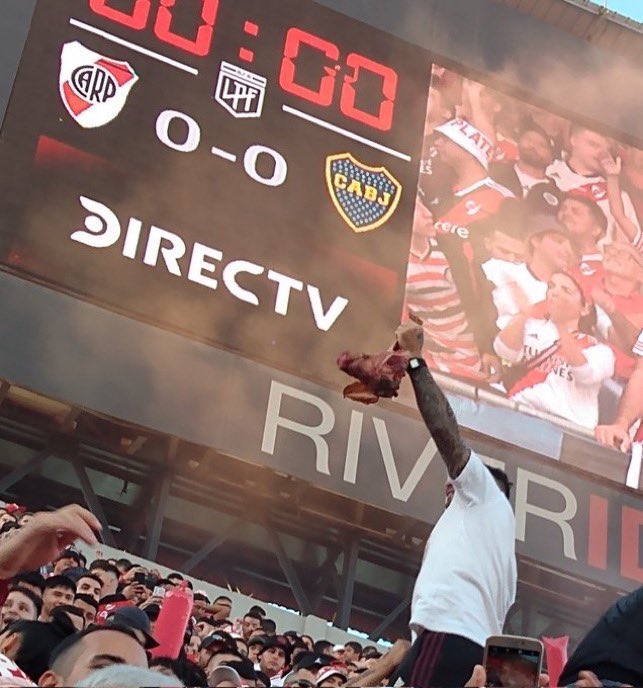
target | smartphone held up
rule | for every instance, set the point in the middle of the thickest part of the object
(513, 661)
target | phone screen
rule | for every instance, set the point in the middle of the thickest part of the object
(512, 667)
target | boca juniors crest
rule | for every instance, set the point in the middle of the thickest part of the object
(93, 88)
(365, 197)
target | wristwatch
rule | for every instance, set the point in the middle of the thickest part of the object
(415, 363)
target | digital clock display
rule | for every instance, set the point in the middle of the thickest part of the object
(239, 171)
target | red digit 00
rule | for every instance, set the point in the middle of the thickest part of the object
(136, 20)
(384, 119)
(294, 41)
(203, 41)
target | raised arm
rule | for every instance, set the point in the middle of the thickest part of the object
(433, 405)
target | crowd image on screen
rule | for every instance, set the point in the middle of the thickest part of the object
(526, 260)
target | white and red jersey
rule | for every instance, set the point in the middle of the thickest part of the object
(638, 347)
(554, 385)
(431, 295)
(595, 187)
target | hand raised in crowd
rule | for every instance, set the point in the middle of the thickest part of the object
(601, 298)
(135, 591)
(614, 436)
(611, 166)
(45, 537)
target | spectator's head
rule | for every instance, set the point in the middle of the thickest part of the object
(58, 590)
(215, 644)
(550, 248)
(331, 677)
(268, 626)
(623, 266)
(583, 219)
(222, 607)
(152, 611)
(175, 577)
(242, 646)
(89, 584)
(136, 621)
(245, 669)
(502, 480)
(274, 655)
(123, 566)
(251, 622)
(587, 149)
(186, 671)
(567, 307)
(308, 642)
(199, 604)
(353, 652)
(461, 146)
(505, 236)
(96, 648)
(32, 580)
(323, 647)
(74, 615)
(298, 649)
(303, 678)
(20, 603)
(338, 652)
(88, 605)
(370, 652)
(29, 644)
(218, 659)
(68, 559)
(108, 575)
(224, 677)
(255, 645)
(125, 676)
(256, 609)
(535, 147)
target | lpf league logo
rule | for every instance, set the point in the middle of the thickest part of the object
(93, 88)
(241, 93)
(365, 197)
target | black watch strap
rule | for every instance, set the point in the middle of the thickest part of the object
(415, 363)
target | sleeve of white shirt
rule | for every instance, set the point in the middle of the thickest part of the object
(599, 366)
(476, 484)
(505, 352)
(638, 347)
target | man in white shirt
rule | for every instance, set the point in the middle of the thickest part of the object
(467, 581)
(582, 172)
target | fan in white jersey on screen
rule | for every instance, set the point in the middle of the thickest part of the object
(459, 210)
(559, 366)
(583, 171)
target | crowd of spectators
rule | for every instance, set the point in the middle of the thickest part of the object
(526, 262)
(63, 619)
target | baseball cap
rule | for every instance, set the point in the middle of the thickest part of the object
(70, 553)
(257, 640)
(220, 639)
(330, 671)
(469, 138)
(135, 619)
(244, 667)
(225, 673)
(339, 648)
(311, 660)
(278, 641)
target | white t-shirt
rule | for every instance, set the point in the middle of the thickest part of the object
(596, 188)
(467, 581)
(507, 279)
(556, 386)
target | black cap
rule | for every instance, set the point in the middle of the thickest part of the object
(277, 641)
(244, 667)
(308, 660)
(135, 619)
(220, 638)
(257, 640)
(70, 553)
